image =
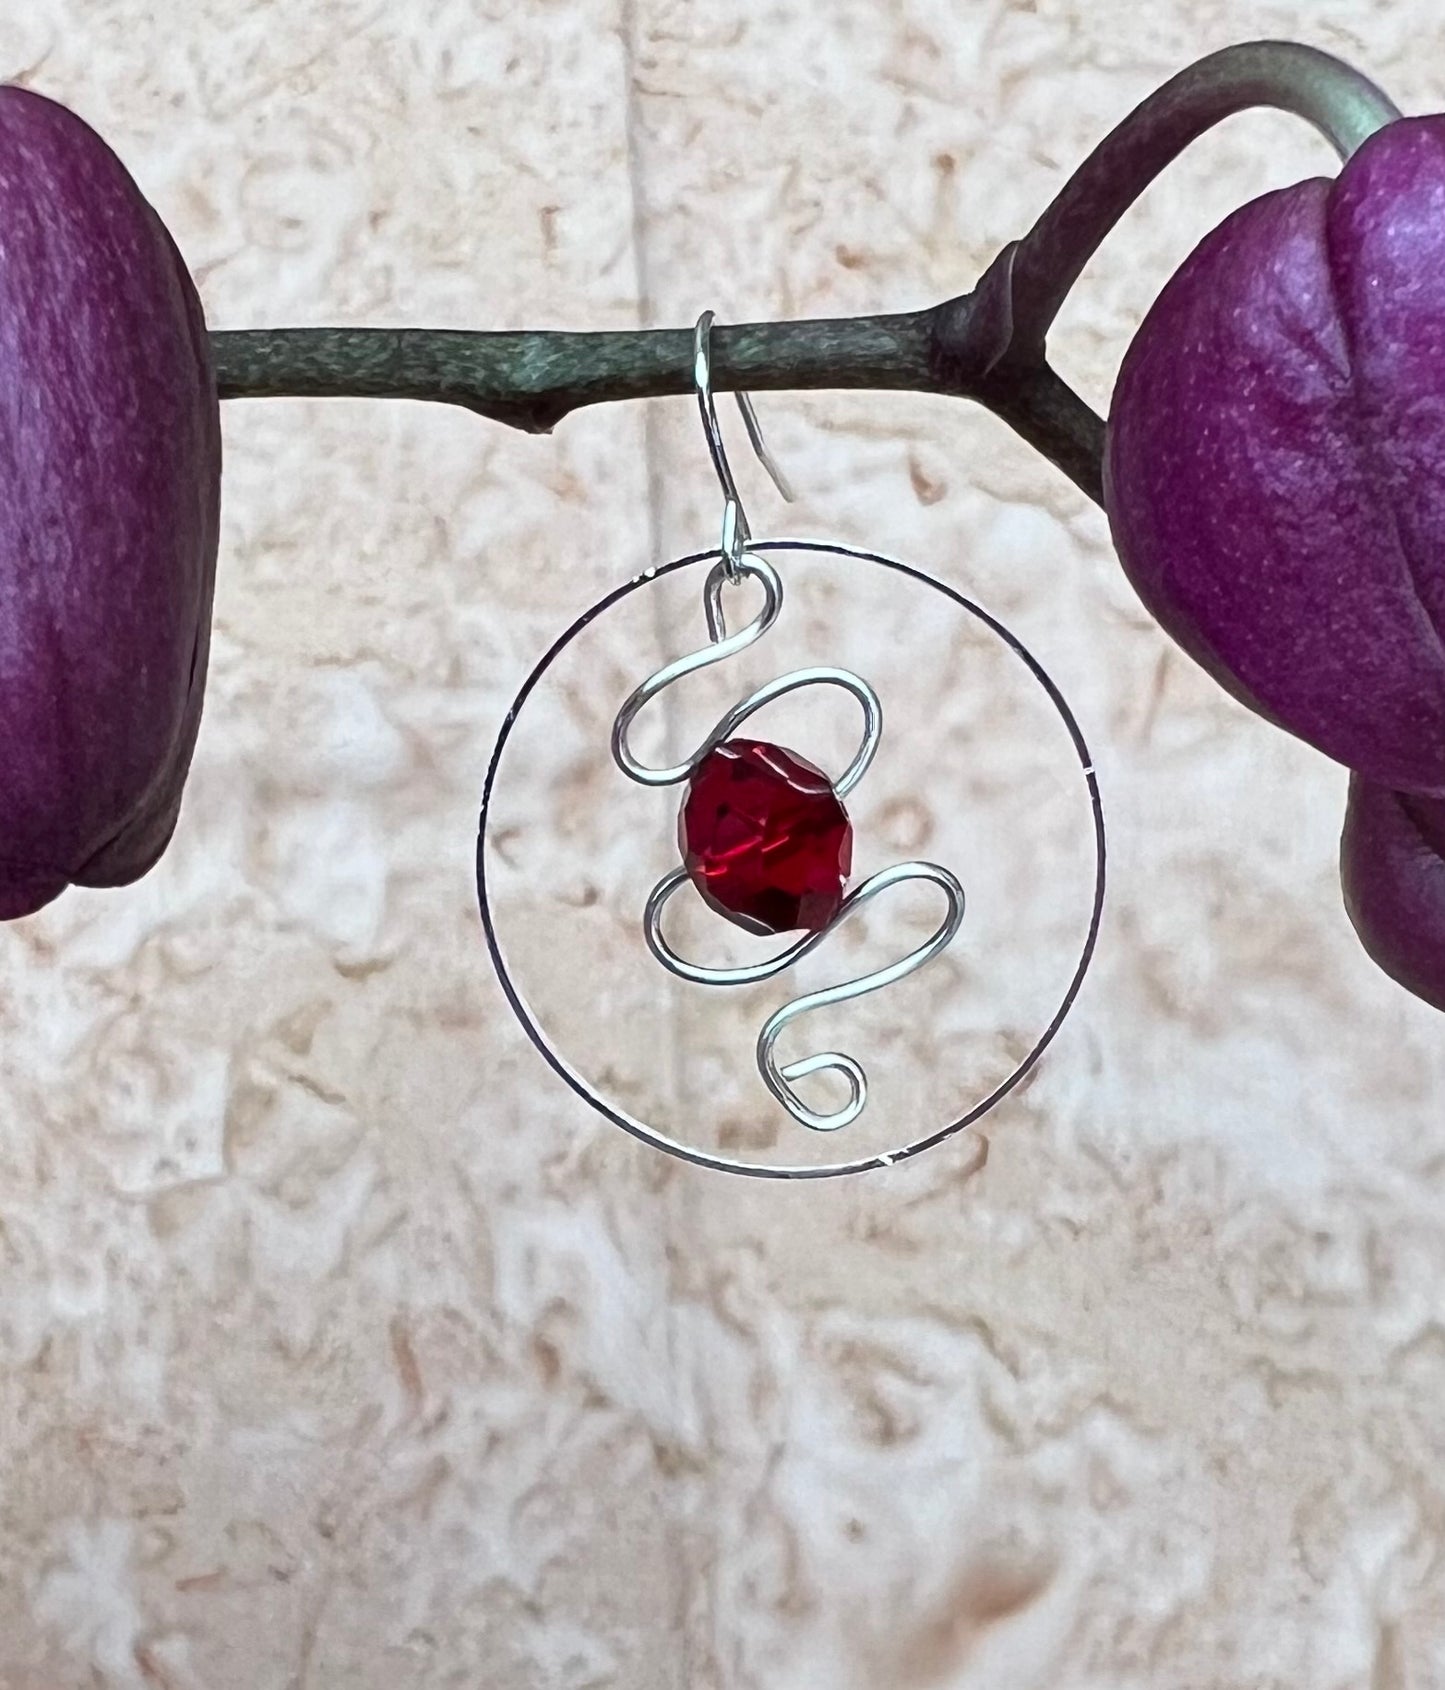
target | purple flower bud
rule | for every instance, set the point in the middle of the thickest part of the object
(1275, 482)
(1392, 859)
(110, 463)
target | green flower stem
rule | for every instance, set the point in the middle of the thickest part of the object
(988, 345)
(1037, 272)
(532, 379)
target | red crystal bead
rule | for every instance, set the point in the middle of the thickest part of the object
(764, 838)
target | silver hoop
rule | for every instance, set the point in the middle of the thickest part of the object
(828, 1060)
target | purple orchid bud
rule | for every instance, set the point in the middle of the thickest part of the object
(1392, 859)
(110, 463)
(1275, 482)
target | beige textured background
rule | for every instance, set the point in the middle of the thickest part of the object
(339, 1346)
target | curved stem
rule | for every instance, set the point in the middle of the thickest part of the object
(987, 345)
(1037, 272)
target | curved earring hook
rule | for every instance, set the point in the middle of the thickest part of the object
(735, 530)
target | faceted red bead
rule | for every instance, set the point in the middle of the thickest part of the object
(764, 838)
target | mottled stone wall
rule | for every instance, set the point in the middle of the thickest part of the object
(339, 1345)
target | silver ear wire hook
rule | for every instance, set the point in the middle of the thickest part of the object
(735, 530)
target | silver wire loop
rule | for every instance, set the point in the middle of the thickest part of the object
(723, 645)
(736, 533)
(778, 1079)
(726, 645)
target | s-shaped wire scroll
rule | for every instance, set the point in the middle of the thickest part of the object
(766, 839)
(747, 859)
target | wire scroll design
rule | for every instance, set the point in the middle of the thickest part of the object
(734, 565)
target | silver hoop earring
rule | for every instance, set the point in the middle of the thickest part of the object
(764, 836)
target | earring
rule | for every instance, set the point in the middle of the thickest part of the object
(763, 834)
